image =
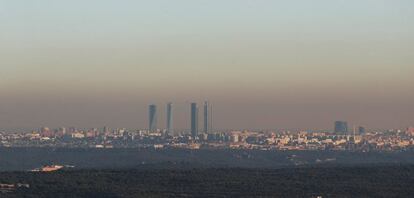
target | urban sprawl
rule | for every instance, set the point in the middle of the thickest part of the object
(341, 138)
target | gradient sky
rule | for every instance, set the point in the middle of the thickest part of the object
(262, 63)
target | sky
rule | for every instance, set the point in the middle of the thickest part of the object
(263, 64)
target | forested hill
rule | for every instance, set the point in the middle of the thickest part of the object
(20, 159)
(375, 181)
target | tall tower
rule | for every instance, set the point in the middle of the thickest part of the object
(105, 130)
(194, 120)
(361, 130)
(208, 117)
(341, 127)
(152, 118)
(170, 129)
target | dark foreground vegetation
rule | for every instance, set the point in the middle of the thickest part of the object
(21, 159)
(340, 181)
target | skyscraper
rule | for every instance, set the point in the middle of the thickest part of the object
(194, 119)
(207, 117)
(361, 130)
(170, 119)
(341, 127)
(152, 118)
(105, 130)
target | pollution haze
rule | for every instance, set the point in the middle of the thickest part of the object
(262, 64)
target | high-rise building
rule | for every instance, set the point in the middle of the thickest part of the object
(170, 119)
(152, 118)
(208, 117)
(46, 132)
(410, 131)
(60, 132)
(105, 130)
(341, 127)
(194, 120)
(361, 130)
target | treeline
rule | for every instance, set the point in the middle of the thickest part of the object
(13, 159)
(376, 181)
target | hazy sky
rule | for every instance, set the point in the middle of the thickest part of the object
(262, 63)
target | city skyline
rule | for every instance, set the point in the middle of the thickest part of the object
(206, 98)
(339, 127)
(154, 115)
(266, 64)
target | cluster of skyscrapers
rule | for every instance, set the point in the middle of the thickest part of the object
(194, 112)
(342, 128)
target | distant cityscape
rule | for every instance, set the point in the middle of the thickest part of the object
(340, 138)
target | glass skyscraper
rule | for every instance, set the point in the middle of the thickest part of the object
(341, 127)
(152, 118)
(170, 129)
(194, 120)
(361, 130)
(208, 117)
